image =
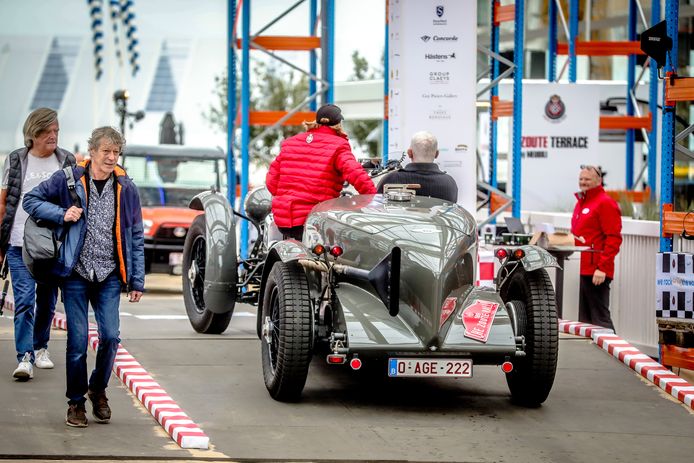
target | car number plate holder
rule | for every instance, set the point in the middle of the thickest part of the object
(430, 367)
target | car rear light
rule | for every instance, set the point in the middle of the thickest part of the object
(355, 363)
(336, 251)
(336, 359)
(507, 367)
(318, 249)
(501, 253)
(518, 253)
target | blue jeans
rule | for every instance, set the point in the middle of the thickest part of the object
(31, 331)
(105, 299)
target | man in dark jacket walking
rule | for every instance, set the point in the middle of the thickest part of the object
(103, 251)
(423, 171)
(24, 169)
(596, 222)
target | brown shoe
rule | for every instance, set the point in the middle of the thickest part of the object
(76, 416)
(100, 409)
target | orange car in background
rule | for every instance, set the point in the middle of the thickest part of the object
(167, 178)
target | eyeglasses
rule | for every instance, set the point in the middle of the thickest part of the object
(597, 170)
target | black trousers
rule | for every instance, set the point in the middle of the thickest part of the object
(294, 232)
(594, 302)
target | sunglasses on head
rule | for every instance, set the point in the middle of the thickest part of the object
(597, 170)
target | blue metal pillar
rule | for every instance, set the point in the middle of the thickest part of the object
(573, 38)
(667, 154)
(552, 39)
(231, 101)
(245, 115)
(518, 55)
(386, 89)
(631, 79)
(653, 107)
(493, 92)
(330, 61)
(313, 7)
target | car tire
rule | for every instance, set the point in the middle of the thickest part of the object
(286, 331)
(533, 375)
(194, 254)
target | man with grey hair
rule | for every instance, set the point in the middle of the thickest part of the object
(34, 301)
(102, 252)
(423, 171)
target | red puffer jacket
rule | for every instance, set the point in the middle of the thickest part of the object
(312, 168)
(598, 220)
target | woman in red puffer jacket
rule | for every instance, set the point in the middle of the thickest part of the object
(596, 222)
(312, 167)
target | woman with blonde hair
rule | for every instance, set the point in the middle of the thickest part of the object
(311, 168)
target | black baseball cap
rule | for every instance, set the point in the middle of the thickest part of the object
(329, 114)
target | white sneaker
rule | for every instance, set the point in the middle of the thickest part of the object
(43, 359)
(25, 370)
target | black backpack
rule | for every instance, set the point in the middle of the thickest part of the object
(42, 239)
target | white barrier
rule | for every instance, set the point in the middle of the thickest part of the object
(632, 295)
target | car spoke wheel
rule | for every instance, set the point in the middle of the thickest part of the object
(286, 331)
(193, 274)
(536, 315)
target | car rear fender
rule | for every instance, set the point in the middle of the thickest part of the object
(284, 251)
(534, 258)
(221, 261)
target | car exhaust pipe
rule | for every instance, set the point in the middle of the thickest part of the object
(384, 277)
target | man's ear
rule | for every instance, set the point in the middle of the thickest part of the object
(437, 154)
(410, 154)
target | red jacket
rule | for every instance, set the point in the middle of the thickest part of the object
(311, 168)
(598, 220)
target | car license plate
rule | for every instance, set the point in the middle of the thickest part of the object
(175, 258)
(457, 368)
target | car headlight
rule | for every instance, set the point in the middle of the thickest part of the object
(147, 226)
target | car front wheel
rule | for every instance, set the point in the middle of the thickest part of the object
(193, 273)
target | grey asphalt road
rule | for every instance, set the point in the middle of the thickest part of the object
(599, 410)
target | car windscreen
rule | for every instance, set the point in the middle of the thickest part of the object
(163, 181)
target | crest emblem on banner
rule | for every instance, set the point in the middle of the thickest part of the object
(439, 10)
(555, 108)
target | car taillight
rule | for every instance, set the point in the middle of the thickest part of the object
(518, 253)
(336, 359)
(501, 253)
(507, 367)
(318, 249)
(355, 363)
(336, 251)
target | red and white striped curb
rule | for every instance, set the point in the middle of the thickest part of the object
(175, 422)
(644, 365)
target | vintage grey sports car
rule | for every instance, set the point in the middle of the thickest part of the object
(377, 280)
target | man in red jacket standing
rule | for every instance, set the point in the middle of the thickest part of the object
(312, 167)
(596, 222)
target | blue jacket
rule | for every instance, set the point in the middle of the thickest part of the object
(51, 198)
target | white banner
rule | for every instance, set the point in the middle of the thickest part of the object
(674, 285)
(561, 125)
(432, 53)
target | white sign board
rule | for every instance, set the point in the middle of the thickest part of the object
(561, 125)
(674, 285)
(432, 53)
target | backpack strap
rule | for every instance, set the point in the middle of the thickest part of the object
(70, 176)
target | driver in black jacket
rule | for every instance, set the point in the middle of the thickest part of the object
(422, 170)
